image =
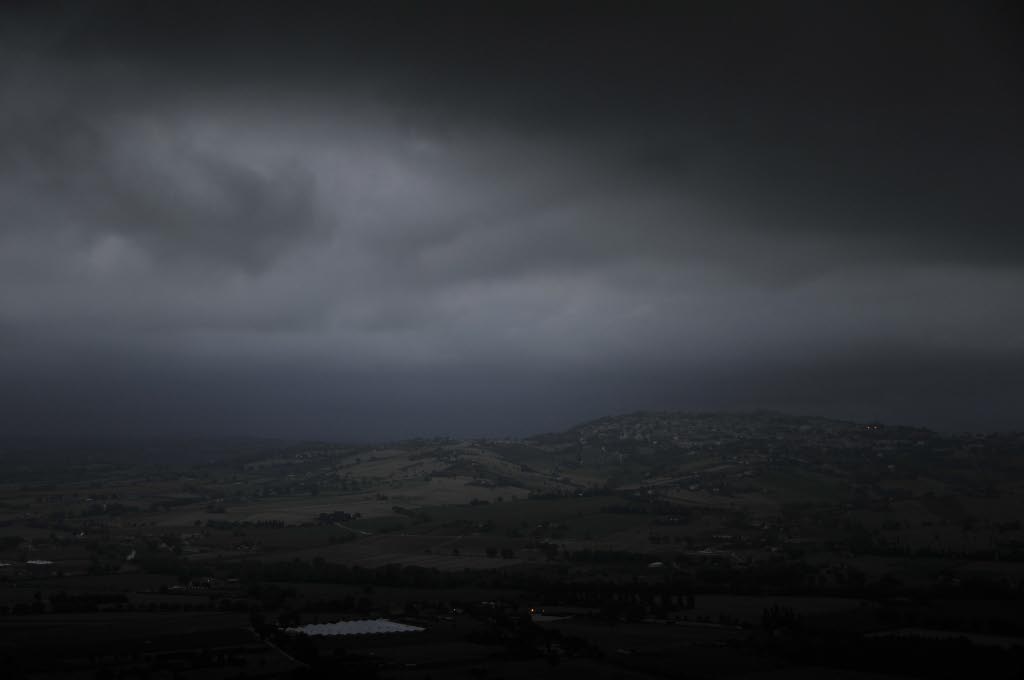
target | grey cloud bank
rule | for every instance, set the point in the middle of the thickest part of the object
(408, 221)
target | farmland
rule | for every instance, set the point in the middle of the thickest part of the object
(748, 543)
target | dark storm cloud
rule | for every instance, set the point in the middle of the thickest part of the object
(461, 217)
(126, 168)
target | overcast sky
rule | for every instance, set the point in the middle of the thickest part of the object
(435, 218)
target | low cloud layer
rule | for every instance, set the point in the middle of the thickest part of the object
(408, 221)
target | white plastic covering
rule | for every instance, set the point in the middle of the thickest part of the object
(361, 627)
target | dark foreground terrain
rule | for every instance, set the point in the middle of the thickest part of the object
(641, 546)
